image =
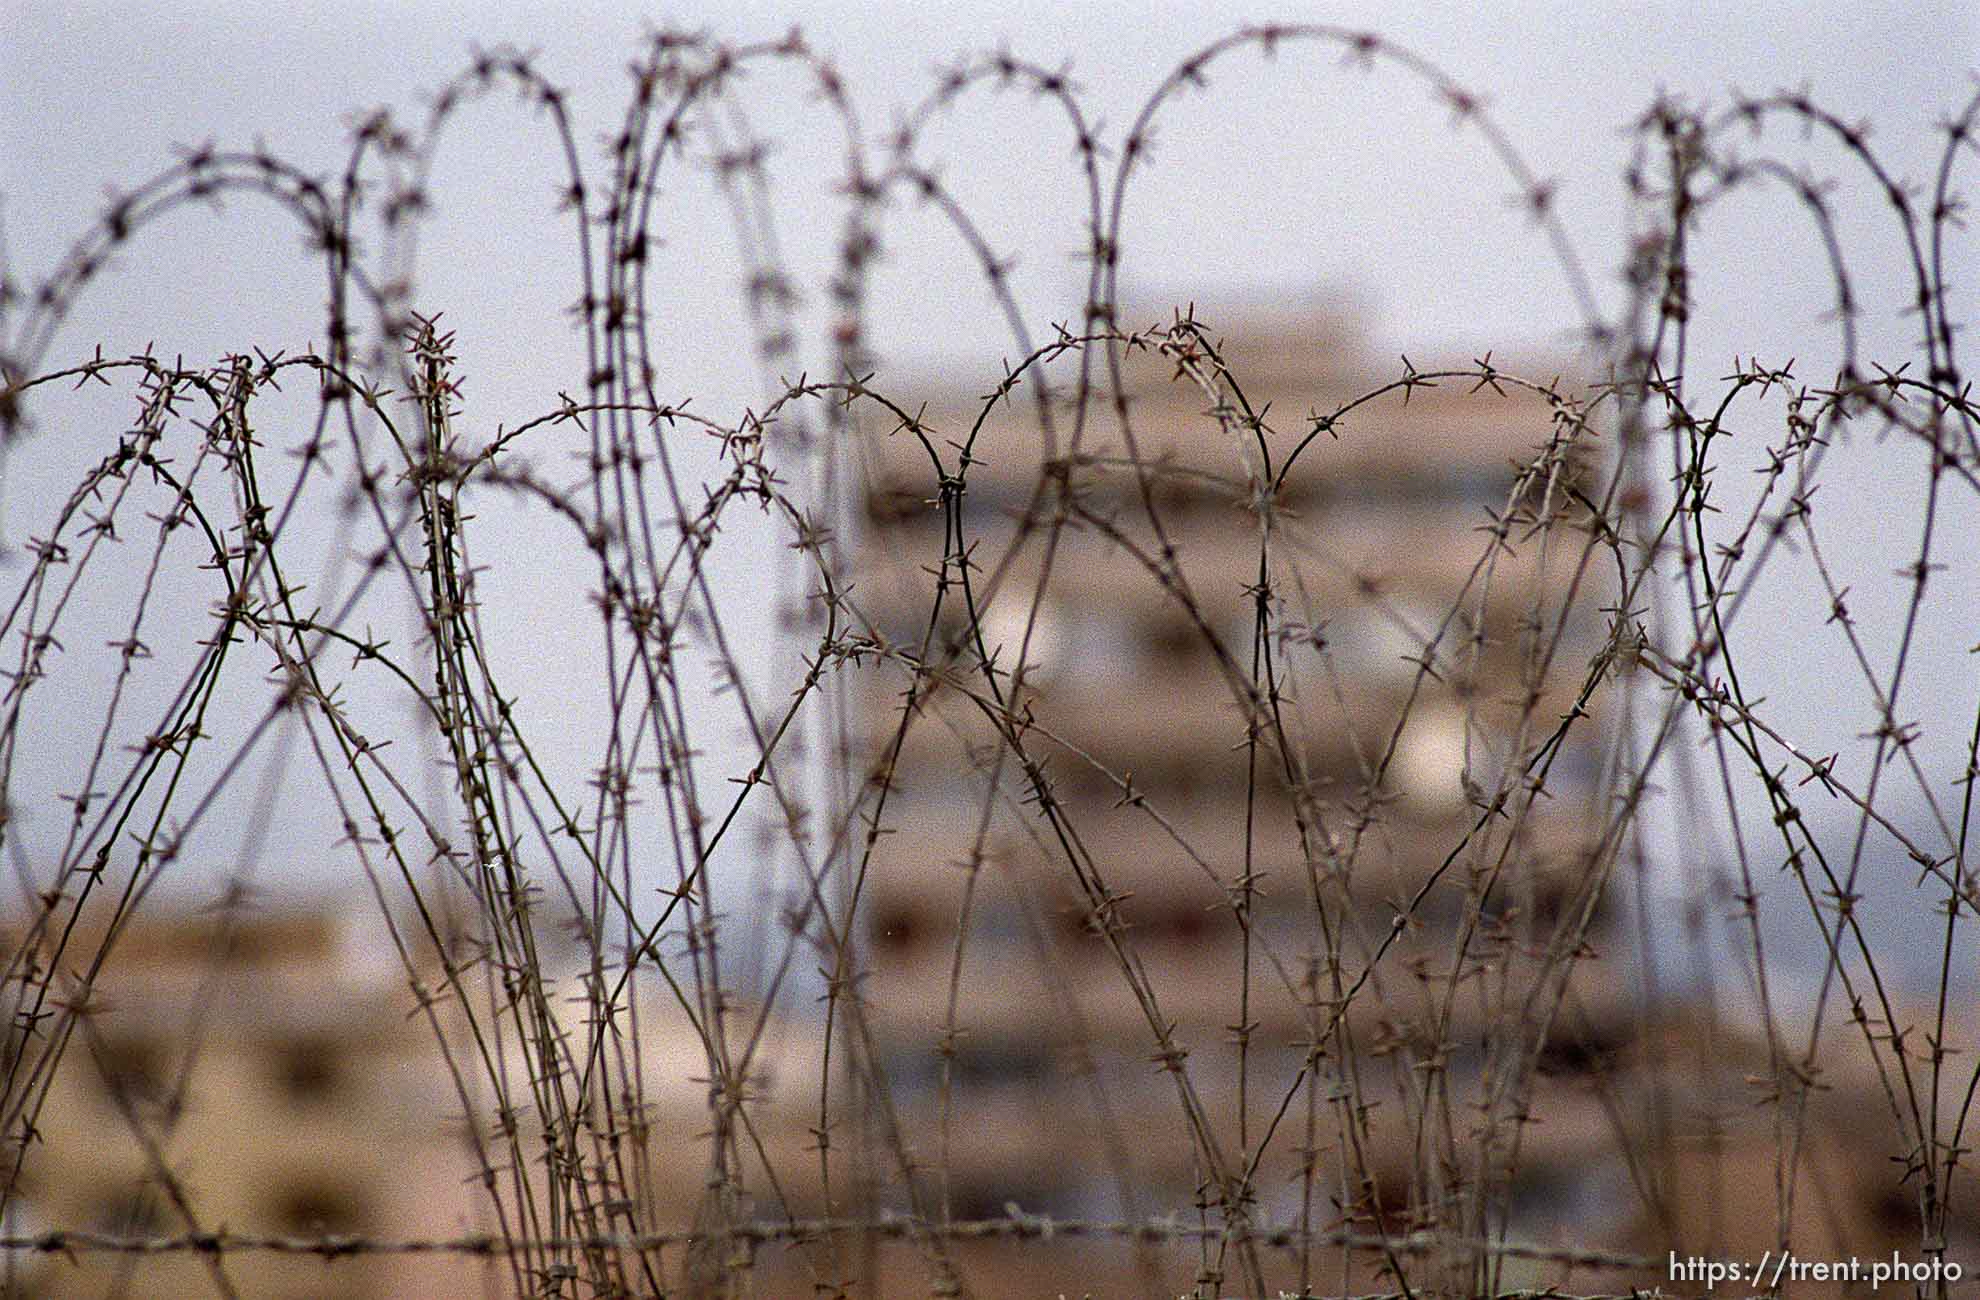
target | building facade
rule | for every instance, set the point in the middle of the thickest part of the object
(1282, 852)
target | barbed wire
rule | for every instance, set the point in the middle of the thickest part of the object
(1015, 1226)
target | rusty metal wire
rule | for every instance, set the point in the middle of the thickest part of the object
(1016, 1226)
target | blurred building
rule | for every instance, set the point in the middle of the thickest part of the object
(1257, 782)
(1268, 882)
(237, 1075)
(260, 1075)
(1269, 761)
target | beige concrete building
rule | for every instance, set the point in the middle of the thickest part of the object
(1331, 863)
(241, 1077)
(1265, 894)
(1248, 815)
(261, 1076)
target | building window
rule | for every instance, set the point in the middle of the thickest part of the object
(896, 928)
(126, 1210)
(133, 1068)
(307, 1069)
(319, 1206)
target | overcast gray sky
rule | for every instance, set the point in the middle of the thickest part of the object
(1286, 179)
(1299, 174)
